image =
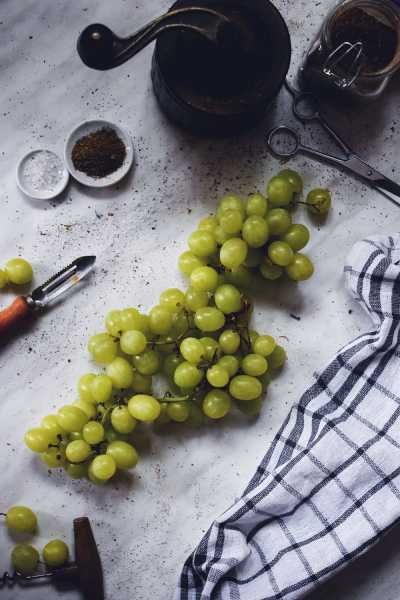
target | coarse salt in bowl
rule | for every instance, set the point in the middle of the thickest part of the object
(41, 175)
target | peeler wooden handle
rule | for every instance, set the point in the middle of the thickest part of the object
(14, 315)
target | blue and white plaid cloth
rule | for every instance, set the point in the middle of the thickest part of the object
(329, 486)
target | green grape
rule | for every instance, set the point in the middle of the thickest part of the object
(230, 202)
(188, 261)
(93, 433)
(18, 271)
(170, 364)
(84, 387)
(101, 388)
(297, 236)
(294, 178)
(240, 277)
(141, 384)
(250, 408)
(263, 345)
(204, 279)
(55, 553)
(245, 387)
(230, 364)
(120, 372)
(78, 451)
(113, 322)
(75, 435)
(21, 519)
(217, 376)
(143, 407)
(178, 411)
(38, 439)
(25, 558)
(229, 341)
(280, 253)
(76, 470)
(172, 298)
(129, 319)
(93, 478)
(111, 435)
(195, 418)
(254, 364)
(221, 236)
(228, 298)
(103, 348)
(319, 202)
(50, 424)
(210, 347)
(256, 205)
(301, 268)
(88, 408)
(192, 350)
(3, 279)
(233, 253)
(209, 319)
(122, 420)
(124, 454)
(202, 243)
(255, 257)
(180, 325)
(279, 221)
(187, 375)
(160, 320)
(103, 467)
(147, 363)
(231, 221)
(133, 342)
(54, 458)
(277, 359)
(163, 417)
(270, 271)
(208, 223)
(216, 404)
(279, 191)
(195, 299)
(255, 231)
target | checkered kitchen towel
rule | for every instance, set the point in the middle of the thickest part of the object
(329, 485)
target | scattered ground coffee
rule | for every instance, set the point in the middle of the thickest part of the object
(99, 154)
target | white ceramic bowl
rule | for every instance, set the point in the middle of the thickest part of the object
(41, 187)
(86, 128)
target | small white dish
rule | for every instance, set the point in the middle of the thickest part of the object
(41, 174)
(86, 128)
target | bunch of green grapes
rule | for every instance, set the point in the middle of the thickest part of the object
(17, 271)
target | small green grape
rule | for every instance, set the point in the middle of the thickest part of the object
(124, 454)
(297, 236)
(188, 261)
(187, 375)
(228, 299)
(25, 559)
(101, 388)
(147, 363)
(21, 519)
(84, 387)
(319, 202)
(133, 342)
(210, 347)
(120, 372)
(202, 243)
(122, 420)
(54, 458)
(279, 191)
(301, 268)
(204, 279)
(279, 221)
(217, 376)
(229, 341)
(19, 271)
(230, 364)
(103, 348)
(230, 202)
(78, 451)
(231, 221)
(209, 319)
(270, 271)
(194, 299)
(216, 404)
(233, 253)
(93, 433)
(143, 407)
(280, 253)
(294, 178)
(255, 231)
(160, 320)
(245, 387)
(264, 345)
(254, 364)
(208, 223)
(192, 350)
(277, 358)
(38, 439)
(178, 411)
(103, 467)
(55, 553)
(256, 205)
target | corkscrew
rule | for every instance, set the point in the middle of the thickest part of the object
(84, 573)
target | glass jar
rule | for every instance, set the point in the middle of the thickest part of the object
(357, 49)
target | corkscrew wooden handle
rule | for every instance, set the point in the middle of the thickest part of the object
(14, 315)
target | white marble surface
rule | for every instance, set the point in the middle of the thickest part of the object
(146, 526)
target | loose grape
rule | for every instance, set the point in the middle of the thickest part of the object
(204, 279)
(141, 384)
(279, 221)
(84, 387)
(88, 408)
(279, 191)
(143, 407)
(256, 205)
(301, 268)
(55, 553)
(210, 347)
(124, 454)
(19, 271)
(187, 375)
(25, 558)
(3, 278)
(216, 404)
(319, 202)
(133, 342)
(217, 376)
(202, 243)
(254, 364)
(113, 322)
(76, 470)
(230, 364)
(250, 408)
(147, 363)
(231, 221)
(93, 433)
(21, 519)
(297, 236)
(233, 253)
(188, 261)
(178, 411)
(228, 298)
(78, 451)
(221, 236)
(229, 341)
(103, 348)
(255, 231)
(122, 420)
(103, 467)
(50, 424)
(101, 388)
(240, 277)
(245, 387)
(120, 372)
(270, 271)
(255, 257)
(129, 318)
(294, 178)
(209, 319)
(264, 345)
(208, 223)
(172, 298)
(160, 320)
(192, 350)
(277, 358)
(230, 202)
(280, 253)
(195, 299)
(38, 439)
(54, 458)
